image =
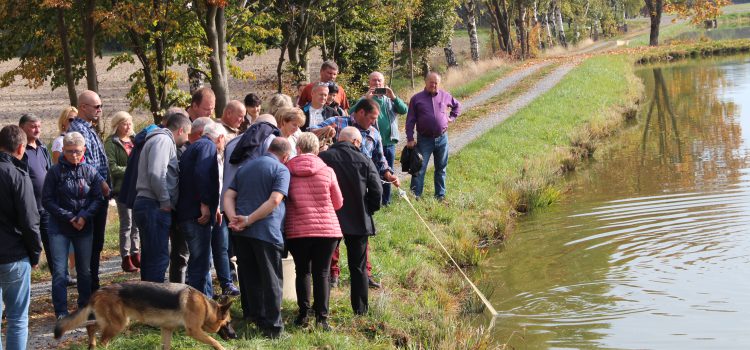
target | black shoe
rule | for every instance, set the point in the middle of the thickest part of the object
(372, 284)
(271, 333)
(334, 280)
(323, 325)
(72, 281)
(302, 320)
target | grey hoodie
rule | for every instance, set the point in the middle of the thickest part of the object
(158, 169)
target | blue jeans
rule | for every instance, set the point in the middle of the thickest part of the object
(15, 287)
(428, 146)
(220, 252)
(153, 226)
(198, 238)
(390, 155)
(82, 247)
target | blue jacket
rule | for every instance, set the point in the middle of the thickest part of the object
(199, 180)
(72, 191)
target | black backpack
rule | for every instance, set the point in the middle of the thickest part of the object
(411, 160)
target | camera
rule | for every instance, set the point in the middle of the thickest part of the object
(379, 91)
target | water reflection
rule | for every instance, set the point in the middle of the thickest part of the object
(651, 249)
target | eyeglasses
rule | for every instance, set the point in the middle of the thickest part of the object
(95, 106)
(76, 152)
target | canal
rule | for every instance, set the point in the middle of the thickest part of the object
(650, 249)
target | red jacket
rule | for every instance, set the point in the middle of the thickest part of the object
(314, 197)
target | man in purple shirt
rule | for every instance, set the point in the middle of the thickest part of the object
(428, 110)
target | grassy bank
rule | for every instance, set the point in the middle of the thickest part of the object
(512, 169)
(694, 50)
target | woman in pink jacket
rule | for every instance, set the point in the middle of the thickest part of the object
(311, 226)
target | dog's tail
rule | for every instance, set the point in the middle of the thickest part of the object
(72, 321)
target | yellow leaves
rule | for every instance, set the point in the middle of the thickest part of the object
(53, 4)
(697, 10)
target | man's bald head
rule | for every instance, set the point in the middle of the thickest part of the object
(233, 114)
(281, 148)
(89, 106)
(267, 118)
(350, 134)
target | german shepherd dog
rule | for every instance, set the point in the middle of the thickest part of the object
(164, 305)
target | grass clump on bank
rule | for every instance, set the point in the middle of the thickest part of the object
(424, 302)
(694, 50)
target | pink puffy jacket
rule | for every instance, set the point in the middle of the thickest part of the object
(314, 197)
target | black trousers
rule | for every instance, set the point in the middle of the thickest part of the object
(100, 226)
(44, 218)
(356, 255)
(312, 257)
(178, 253)
(260, 276)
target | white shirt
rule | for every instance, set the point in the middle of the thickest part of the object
(316, 116)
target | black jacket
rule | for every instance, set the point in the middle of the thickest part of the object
(72, 191)
(19, 215)
(360, 184)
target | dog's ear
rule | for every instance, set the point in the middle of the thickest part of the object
(224, 305)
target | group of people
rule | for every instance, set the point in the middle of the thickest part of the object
(237, 192)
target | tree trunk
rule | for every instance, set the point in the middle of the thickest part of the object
(411, 55)
(393, 60)
(548, 41)
(523, 37)
(450, 56)
(557, 16)
(89, 37)
(216, 35)
(279, 66)
(471, 27)
(62, 30)
(655, 8)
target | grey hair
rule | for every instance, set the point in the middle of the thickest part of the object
(74, 138)
(201, 123)
(350, 134)
(28, 118)
(308, 143)
(277, 102)
(213, 130)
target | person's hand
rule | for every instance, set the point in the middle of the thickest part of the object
(105, 189)
(393, 179)
(205, 215)
(166, 209)
(81, 222)
(370, 93)
(238, 223)
(411, 144)
(389, 93)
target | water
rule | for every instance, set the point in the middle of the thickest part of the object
(651, 248)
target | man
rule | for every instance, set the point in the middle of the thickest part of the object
(19, 234)
(364, 116)
(255, 207)
(428, 110)
(317, 111)
(390, 107)
(328, 72)
(232, 117)
(198, 203)
(333, 94)
(360, 184)
(202, 103)
(38, 161)
(252, 106)
(157, 194)
(89, 112)
(179, 253)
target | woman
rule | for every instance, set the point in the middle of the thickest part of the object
(289, 121)
(67, 115)
(278, 101)
(72, 195)
(118, 147)
(312, 228)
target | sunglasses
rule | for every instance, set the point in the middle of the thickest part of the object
(95, 106)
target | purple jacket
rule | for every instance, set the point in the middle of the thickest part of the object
(430, 113)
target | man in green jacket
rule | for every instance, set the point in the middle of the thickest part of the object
(390, 107)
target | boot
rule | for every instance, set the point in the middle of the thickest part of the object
(136, 259)
(127, 265)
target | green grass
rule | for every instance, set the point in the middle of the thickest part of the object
(476, 85)
(695, 50)
(424, 301)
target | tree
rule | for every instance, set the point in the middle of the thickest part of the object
(433, 27)
(697, 11)
(471, 26)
